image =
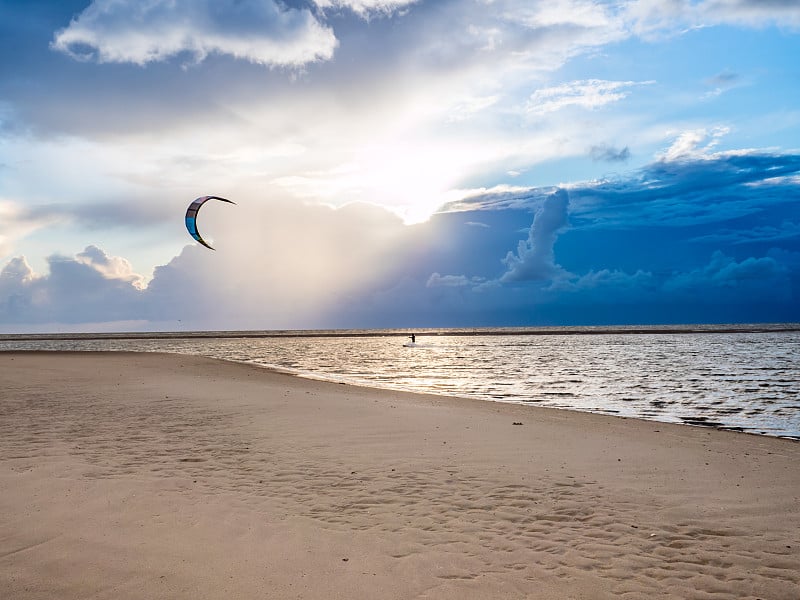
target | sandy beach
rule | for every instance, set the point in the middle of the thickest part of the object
(163, 476)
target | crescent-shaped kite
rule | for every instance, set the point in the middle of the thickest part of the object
(191, 216)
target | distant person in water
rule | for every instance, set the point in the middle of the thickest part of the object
(413, 338)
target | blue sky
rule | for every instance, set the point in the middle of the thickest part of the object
(398, 163)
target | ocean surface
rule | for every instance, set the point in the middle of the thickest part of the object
(744, 378)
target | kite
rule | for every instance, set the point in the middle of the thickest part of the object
(191, 216)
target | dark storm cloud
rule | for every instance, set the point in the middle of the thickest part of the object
(692, 190)
(669, 192)
(711, 230)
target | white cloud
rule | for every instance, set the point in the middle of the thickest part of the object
(366, 7)
(694, 144)
(752, 13)
(584, 13)
(588, 93)
(657, 17)
(260, 31)
(532, 37)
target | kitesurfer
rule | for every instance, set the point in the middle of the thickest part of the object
(413, 338)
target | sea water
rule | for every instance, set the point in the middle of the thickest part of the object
(746, 379)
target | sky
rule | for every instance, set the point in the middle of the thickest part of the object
(398, 163)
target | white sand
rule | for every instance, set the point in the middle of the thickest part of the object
(158, 476)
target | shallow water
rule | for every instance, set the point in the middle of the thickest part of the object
(742, 380)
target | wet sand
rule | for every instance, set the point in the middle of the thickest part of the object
(150, 475)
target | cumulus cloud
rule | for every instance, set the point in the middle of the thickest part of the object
(111, 267)
(534, 259)
(75, 290)
(264, 32)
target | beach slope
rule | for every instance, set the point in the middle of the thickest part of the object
(129, 475)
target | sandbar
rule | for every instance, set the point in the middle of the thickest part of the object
(145, 475)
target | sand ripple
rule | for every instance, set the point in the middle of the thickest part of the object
(478, 521)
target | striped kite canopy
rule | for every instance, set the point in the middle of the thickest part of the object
(191, 216)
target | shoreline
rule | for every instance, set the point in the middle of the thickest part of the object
(423, 332)
(136, 475)
(700, 421)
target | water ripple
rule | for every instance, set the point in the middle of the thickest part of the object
(746, 381)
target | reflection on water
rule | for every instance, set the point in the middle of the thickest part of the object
(746, 381)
